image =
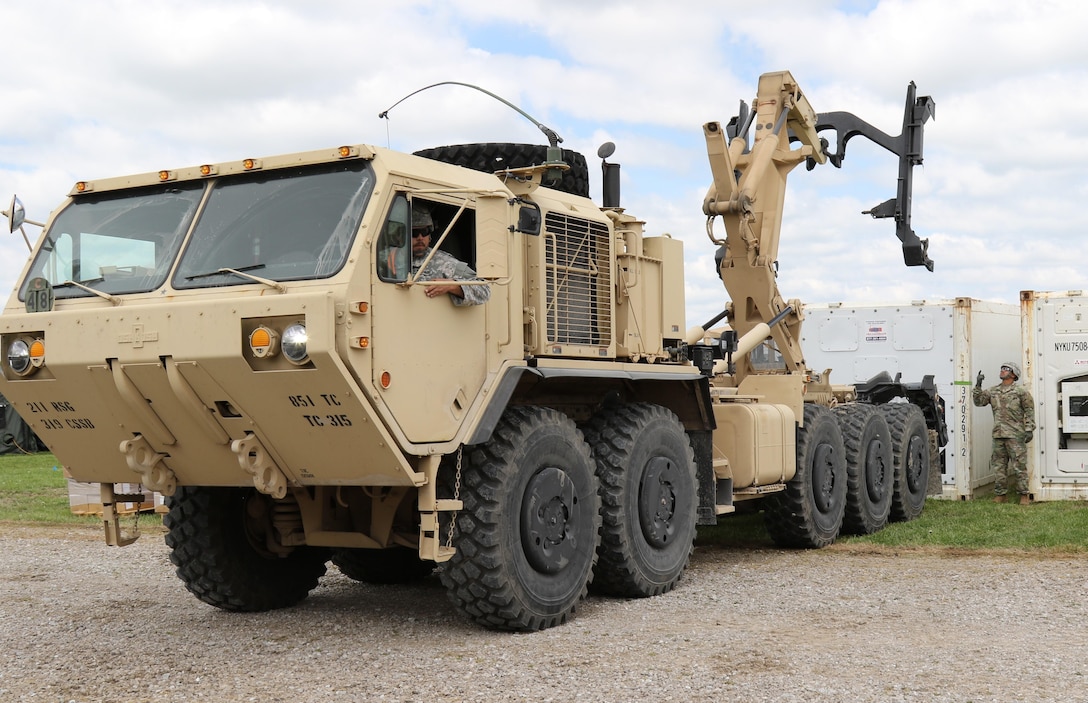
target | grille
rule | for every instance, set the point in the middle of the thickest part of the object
(578, 281)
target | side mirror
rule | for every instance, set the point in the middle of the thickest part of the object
(16, 214)
(529, 219)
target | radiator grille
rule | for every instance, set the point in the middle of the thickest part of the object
(578, 281)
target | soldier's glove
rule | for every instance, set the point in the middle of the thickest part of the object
(1028, 436)
(978, 380)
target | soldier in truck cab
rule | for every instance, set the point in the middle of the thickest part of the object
(401, 255)
(442, 266)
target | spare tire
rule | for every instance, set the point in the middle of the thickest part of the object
(494, 156)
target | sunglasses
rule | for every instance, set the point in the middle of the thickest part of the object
(1005, 368)
(420, 233)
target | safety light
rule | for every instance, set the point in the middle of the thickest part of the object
(250, 164)
(293, 344)
(386, 379)
(263, 342)
(167, 175)
(37, 353)
(362, 342)
(208, 170)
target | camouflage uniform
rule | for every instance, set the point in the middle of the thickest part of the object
(1014, 420)
(445, 265)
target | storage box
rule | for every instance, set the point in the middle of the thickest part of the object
(952, 340)
(1055, 364)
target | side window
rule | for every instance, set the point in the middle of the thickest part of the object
(394, 247)
(394, 252)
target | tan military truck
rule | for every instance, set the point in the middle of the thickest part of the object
(258, 341)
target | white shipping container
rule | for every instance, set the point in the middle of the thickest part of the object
(952, 340)
(1055, 329)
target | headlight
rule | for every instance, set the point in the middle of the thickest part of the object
(293, 343)
(25, 356)
(19, 356)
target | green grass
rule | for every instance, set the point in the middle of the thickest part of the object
(1058, 527)
(33, 489)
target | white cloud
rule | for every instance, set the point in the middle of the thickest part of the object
(120, 86)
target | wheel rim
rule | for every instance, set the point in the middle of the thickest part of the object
(549, 519)
(917, 454)
(875, 471)
(823, 477)
(657, 501)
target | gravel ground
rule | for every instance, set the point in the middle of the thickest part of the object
(84, 622)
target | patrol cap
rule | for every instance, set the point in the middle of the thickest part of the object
(1011, 365)
(421, 216)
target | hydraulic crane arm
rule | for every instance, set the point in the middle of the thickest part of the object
(908, 147)
(748, 191)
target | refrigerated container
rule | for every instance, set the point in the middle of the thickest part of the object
(949, 339)
(1055, 331)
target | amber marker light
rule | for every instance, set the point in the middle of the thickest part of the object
(362, 342)
(166, 176)
(346, 151)
(386, 379)
(363, 307)
(263, 342)
(82, 187)
(208, 170)
(37, 353)
(250, 164)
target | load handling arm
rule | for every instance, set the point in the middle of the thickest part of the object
(748, 191)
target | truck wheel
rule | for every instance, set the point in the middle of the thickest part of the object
(527, 536)
(217, 540)
(910, 457)
(868, 446)
(646, 471)
(491, 157)
(809, 512)
(382, 566)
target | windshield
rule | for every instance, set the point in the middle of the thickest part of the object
(282, 225)
(116, 242)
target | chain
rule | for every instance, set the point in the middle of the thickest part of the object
(136, 514)
(456, 496)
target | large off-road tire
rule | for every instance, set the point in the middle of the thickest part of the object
(910, 458)
(646, 472)
(869, 471)
(382, 566)
(491, 157)
(217, 540)
(527, 536)
(809, 512)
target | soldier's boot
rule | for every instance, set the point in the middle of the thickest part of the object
(1025, 499)
(999, 499)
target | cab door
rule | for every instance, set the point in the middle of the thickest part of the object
(429, 355)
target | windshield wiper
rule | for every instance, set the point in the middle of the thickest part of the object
(82, 286)
(242, 274)
(78, 284)
(238, 271)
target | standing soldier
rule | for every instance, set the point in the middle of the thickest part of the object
(1014, 427)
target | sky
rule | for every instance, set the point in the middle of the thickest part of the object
(117, 87)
